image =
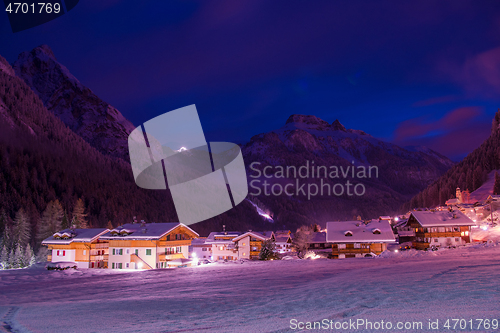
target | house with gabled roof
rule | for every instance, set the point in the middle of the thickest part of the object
(249, 244)
(199, 249)
(283, 241)
(83, 247)
(149, 245)
(440, 228)
(222, 245)
(352, 239)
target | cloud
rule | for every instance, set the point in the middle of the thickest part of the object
(454, 135)
(478, 75)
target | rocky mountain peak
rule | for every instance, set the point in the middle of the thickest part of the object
(337, 126)
(306, 119)
(99, 123)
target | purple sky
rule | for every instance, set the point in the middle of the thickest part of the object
(410, 72)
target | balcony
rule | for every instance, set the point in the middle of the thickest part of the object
(102, 257)
(438, 234)
(165, 257)
(338, 251)
(174, 243)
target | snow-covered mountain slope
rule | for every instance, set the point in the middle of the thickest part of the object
(96, 121)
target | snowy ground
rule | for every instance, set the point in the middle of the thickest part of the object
(259, 296)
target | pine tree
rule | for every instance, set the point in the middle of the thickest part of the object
(4, 257)
(267, 250)
(51, 220)
(28, 254)
(65, 221)
(110, 225)
(22, 228)
(79, 215)
(18, 259)
(12, 259)
(496, 187)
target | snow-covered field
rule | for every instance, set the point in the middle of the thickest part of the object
(409, 286)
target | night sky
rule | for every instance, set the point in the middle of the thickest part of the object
(409, 72)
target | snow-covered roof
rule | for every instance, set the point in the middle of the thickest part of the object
(318, 237)
(199, 242)
(453, 201)
(282, 238)
(443, 218)
(146, 231)
(67, 236)
(262, 235)
(376, 231)
(222, 236)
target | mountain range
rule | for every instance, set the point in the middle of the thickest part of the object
(56, 132)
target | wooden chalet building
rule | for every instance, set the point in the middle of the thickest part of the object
(250, 243)
(353, 239)
(83, 247)
(149, 245)
(440, 228)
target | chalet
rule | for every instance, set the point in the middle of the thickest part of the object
(317, 242)
(250, 243)
(283, 241)
(352, 239)
(149, 245)
(200, 249)
(437, 229)
(222, 245)
(80, 246)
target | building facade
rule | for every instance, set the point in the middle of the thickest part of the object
(83, 247)
(354, 239)
(223, 247)
(149, 245)
(440, 228)
(249, 244)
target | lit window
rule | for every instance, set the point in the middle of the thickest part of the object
(148, 252)
(244, 244)
(221, 248)
(462, 233)
(466, 233)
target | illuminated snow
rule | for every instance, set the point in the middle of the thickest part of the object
(256, 296)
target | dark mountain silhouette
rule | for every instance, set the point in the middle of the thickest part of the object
(96, 121)
(402, 172)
